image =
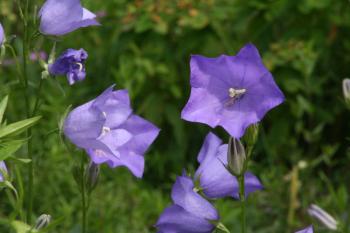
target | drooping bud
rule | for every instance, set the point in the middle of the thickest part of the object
(236, 157)
(42, 221)
(346, 90)
(324, 217)
(92, 173)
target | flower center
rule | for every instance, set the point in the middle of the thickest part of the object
(105, 130)
(236, 93)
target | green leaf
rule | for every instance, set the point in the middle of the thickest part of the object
(3, 105)
(21, 227)
(20, 160)
(18, 127)
(8, 148)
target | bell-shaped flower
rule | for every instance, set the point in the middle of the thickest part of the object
(59, 17)
(306, 230)
(3, 171)
(70, 63)
(190, 213)
(215, 180)
(110, 133)
(2, 35)
(231, 91)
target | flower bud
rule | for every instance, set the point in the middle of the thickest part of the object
(321, 215)
(346, 90)
(42, 221)
(91, 176)
(250, 137)
(236, 157)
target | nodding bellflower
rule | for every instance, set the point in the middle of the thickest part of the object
(215, 180)
(306, 230)
(109, 132)
(3, 171)
(190, 212)
(231, 91)
(2, 35)
(59, 17)
(70, 63)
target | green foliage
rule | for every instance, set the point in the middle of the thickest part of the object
(145, 46)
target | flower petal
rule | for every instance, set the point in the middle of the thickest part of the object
(184, 196)
(2, 34)
(209, 147)
(175, 219)
(306, 230)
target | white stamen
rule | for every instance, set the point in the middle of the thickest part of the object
(80, 66)
(105, 130)
(235, 93)
(104, 114)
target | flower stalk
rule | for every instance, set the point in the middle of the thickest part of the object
(83, 194)
(243, 203)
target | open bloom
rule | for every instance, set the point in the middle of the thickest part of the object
(2, 35)
(306, 230)
(190, 212)
(59, 17)
(231, 91)
(72, 64)
(215, 180)
(106, 128)
(3, 170)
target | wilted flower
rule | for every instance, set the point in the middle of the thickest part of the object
(59, 17)
(215, 180)
(189, 213)
(324, 217)
(2, 35)
(231, 91)
(72, 64)
(3, 170)
(106, 128)
(306, 230)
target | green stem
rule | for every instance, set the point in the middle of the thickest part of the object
(243, 203)
(20, 192)
(83, 194)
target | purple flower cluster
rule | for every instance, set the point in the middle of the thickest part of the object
(231, 91)
(109, 132)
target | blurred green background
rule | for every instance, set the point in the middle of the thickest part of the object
(302, 156)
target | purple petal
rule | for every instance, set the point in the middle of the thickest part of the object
(175, 219)
(209, 147)
(59, 17)
(184, 196)
(306, 230)
(2, 35)
(3, 169)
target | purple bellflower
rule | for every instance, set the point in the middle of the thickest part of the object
(231, 91)
(3, 170)
(190, 212)
(109, 132)
(2, 35)
(59, 17)
(215, 180)
(306, 230)
(72, 64)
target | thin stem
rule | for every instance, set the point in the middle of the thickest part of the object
(83, 194)
(18, 66)
(20, 192)
(243, 203)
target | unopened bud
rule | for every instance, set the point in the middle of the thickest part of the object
(346, 90)
(42, 221)
(236, 157)
(250, 137)
(92, 174)
(321, 215)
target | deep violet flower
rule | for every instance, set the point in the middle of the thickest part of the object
(306, 230)
(72, 64)
(110, 133)
(231, 91)
(3, 170)
(59, 17)
(190, 212)
(215, 180)
(2, 35)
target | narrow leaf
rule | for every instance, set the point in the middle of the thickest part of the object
(8, 148)
(3, 105)
(18, 127)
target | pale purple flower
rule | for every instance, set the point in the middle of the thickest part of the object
(3, 170)
(215, 180)
(2, 35)
(72, 64)
(190, 212)
(306, 230)
(231, 91)
(110, 133)
(59, 17)
(321, 215)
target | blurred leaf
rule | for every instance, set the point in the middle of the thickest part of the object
(8, 148)
(3, 105)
